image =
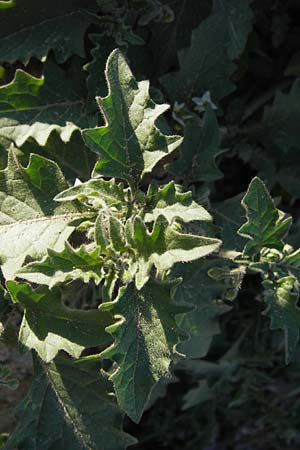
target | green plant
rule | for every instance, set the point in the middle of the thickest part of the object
(130, 241)
(135, 268)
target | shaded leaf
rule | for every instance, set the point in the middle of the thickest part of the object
(69, 406)
(281, 298)
(229, 216)
(237, 21)
(204, 66)
(201, 146)
(33, 28)
(168, 37)
(49, 326)
(280, 125)
(206, 294)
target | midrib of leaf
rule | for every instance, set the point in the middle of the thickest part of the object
(42, 108)
(202, 70)
(128, 159)
(67, 414)
(259, 207)
(66, 216)
(225, 8)
(42, 407)
(138, 331)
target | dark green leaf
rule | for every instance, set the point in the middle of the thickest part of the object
(34, 27)
(281, 298)
(280, 125)
(145, 339)
(237, 22)
(206, 294)
(49, 326)
(201, 146)
(204, 66)
(47, 112)
(69, 406)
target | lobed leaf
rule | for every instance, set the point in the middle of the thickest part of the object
(107, 193)
(237, 22)
(145, 338)
(204, 66)
(32, 29)
(49, 326)
(266, 225)
(280, 121)
(171, 203)
(164, 246)
(67, 265)
(130, 144)
(45, 115)
(30, 220)
(200, 148)
(281, 298)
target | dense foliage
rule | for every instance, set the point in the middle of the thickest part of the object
(150, 251)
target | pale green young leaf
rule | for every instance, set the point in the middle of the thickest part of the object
(32, 29)
(281, 298)
(204, 66)
(200, 148)
(292, 260)
(145, 339)
(67, 265)
(98, 191)
(266, 226)
(171, 203)
(109, 233)
(49, 326)
(129, 145)
(30, 220)
(164, 246)
(69, 405)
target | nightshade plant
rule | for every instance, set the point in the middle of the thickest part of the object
(130, 242)
(123, 263)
